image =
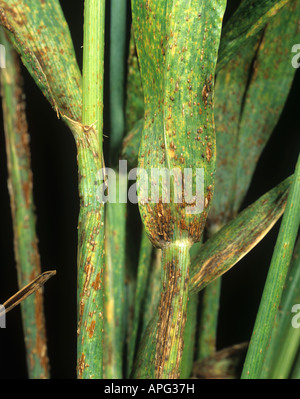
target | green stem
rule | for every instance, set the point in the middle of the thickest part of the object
(117, 76)
(22, 209)
(172, 309)
(284, 343)
(114, 284)
(93, 64)
(152, 295)
(207, 335)
(275, 282)
(91, 218)
(115, 219)
(189, 338)
(287, 354)
(144, 264)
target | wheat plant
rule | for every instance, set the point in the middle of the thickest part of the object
(169, 106)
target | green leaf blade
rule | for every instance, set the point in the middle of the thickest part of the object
(275, 282)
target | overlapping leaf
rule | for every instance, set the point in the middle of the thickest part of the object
(41, 35)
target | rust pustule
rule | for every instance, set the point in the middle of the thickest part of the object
(91, 328)
(96, 284)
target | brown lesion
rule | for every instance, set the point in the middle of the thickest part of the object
(35, 56)
(96, 284)
(165, 311)
(80, 315)
(196, 227)
(39, 58)
(159, 223)
(4, 19)
(162, 225)
(91, 328)
(41, 346)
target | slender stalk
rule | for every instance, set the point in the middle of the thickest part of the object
(22, 210)
(152, 295)
(275, 282)
(115, 211)
(91, 217)
(117, 76)
(172, 309)
(93, 64)
(189, 338)
(207, 334)
(190, 330)
(287, 354)
(114, 284)
(284, 342)
(134, 91)
(141, 285)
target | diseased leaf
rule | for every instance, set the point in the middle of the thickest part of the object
(230, 244)
(268, 90)
(250, 17)
(20, 186)
(231, 84)
(178, 124)
(247, 108)
(246, 113)
(177, 45)
(242, 29)
(40, 34)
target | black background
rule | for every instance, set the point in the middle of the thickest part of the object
(54, 168)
